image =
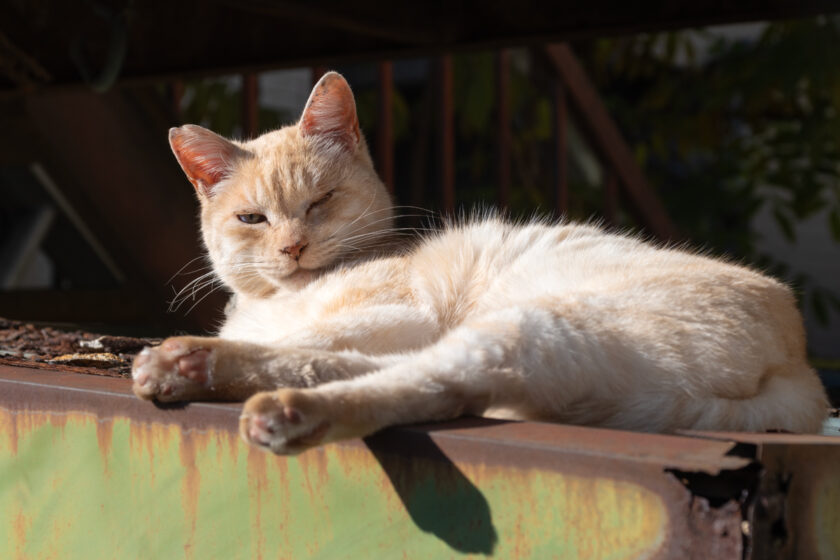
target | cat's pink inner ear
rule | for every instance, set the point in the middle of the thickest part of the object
(330, 113)
(205, 157)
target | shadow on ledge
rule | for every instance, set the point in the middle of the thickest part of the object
(436, 494)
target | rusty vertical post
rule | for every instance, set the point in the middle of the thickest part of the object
(176, 94)
(250, 105)
(385, 132)
(608, 140)
(503, 125)
(561, 116)
(446, 131)
(611, 197)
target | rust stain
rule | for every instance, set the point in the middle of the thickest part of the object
(201, 441)
(189, 487)
(233, 441)
(21, 525)
(350, 467)
(23, 423)
(56, 531)
(104, 438)
(8, 425)
(140, 443)
(57, 420)
(278, 467)
(257, 486)
(314, 465)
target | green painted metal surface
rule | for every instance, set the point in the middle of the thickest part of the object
(78, 486)
(88, 471)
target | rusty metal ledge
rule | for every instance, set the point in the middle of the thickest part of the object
(82, 456)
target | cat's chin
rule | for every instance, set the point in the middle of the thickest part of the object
(296, 280)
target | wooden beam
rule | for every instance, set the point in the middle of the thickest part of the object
(20, 68)
(250, 105)
(262, 35)
(611, 197)
(118, 172)
(504, 142)
(385, 130)
(607, 138)
(318, 73)
(561, 125)
(446, 132)
(176, 94)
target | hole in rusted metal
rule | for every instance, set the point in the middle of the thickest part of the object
(722, 504)
(720, 488)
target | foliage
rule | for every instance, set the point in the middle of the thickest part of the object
(725, 125)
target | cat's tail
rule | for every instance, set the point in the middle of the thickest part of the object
(790, 398)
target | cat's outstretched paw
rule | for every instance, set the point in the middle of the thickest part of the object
(177, 370)
(286, 421)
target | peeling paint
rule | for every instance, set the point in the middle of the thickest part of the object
(190, 484)
(104, 435)
(154, 482)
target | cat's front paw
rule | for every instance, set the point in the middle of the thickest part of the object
(286, 421)
(177, 370)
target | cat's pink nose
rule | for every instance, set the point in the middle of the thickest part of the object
(295, 250)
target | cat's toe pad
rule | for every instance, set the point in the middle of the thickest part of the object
(285, 421)
(171, 371)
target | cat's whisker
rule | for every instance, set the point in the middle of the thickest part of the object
(384, 233)
(198, 279)
(214, 289)
(365, 214)
(378, 221)
(181, 270)
(191, 289)
(192, 285)
(387, 235)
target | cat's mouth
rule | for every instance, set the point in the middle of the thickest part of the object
(293, 273)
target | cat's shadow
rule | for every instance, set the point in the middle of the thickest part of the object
(435, 493)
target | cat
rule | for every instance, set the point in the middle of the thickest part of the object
(329, 337)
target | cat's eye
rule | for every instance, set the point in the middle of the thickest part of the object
(320, 201)
(251, 218)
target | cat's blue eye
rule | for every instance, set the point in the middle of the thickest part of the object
(251, 218)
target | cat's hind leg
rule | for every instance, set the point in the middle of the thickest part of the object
(500, 360)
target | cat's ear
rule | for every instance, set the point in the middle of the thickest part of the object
(330, 113)
(205, 157)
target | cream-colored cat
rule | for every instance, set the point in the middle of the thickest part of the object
(564, 323)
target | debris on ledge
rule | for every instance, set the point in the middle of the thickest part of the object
(24, 344)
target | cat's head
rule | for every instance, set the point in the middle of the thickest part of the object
(293, 201)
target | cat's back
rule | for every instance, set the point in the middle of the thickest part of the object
(492, 264)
